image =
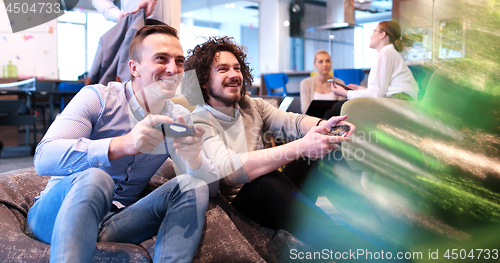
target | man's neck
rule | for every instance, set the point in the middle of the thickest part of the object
(151, 103)
(228, 110)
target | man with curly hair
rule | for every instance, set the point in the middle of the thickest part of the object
(235, 123)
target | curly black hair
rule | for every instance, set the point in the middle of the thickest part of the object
(202, 56)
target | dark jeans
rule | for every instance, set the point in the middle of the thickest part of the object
(333, 178)
(314, 181)
(272, 200)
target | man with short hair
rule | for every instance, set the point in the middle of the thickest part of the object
(102, 151)
(250, 179)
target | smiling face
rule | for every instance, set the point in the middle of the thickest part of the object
(160, 67)
(323, 63)
(224, 87)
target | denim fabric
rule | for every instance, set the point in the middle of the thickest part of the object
(175, 216)
(272, 200)
(77, 205)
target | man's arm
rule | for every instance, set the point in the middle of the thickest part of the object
(236, 168)
(148, 5)
(315, 144)
(142, 138)
(189, 150)
(65, 148)
(308, 123)
(108, 9)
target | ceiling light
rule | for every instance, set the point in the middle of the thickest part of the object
(361, 4)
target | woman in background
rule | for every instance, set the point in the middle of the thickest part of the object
(390, 77)
(318, 87)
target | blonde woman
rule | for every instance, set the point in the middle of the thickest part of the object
(318, 87)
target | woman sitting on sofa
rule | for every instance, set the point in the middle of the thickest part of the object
(390, 77)
(317, 87)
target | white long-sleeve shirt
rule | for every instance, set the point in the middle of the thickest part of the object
(162, 12)
(389, 75)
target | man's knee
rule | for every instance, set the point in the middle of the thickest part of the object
(202, 192)
(95, 179)
(97, 175)
(190, 187)
(272, 180)
(187, 183)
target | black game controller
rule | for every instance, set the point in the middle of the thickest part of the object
(339, 130)
(175, 129)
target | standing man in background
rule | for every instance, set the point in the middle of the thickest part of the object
(166, 11)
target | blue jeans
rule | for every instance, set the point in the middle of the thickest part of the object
(74, 215)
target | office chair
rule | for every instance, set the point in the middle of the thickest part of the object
(350, 76)
(314, 73)
(421, 75)
(276, 81)
(68, 86)
(19, 112)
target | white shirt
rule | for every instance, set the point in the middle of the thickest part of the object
(162, 12)
(324, 96)
(389, 75)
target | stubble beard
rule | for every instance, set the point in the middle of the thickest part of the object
(228, 101)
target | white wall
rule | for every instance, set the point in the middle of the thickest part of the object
(274, 37)
(33, 51)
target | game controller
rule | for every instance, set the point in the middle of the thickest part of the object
(175, 129)
(339, 130)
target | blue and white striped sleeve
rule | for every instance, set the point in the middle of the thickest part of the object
(65, 148)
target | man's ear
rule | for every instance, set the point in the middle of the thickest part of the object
(132, 65)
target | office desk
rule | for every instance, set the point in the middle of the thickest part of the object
(45, 90)
(17, 112)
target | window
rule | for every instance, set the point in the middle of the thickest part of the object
(239, 19)
(364, 56)
(78, 36)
